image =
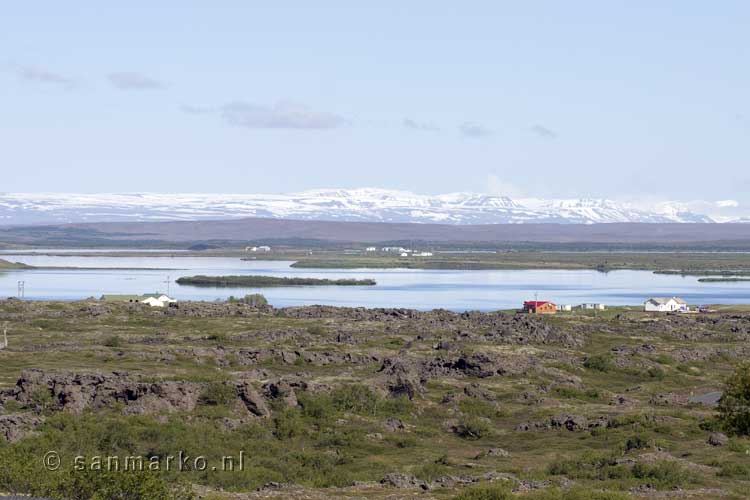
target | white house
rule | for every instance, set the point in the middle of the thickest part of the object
(262, 248)
(598, 307)
(564, 307)
(665, 304)
(404, 254)
(371, 249)
(423, 254)
(160, 301)
(396, 249)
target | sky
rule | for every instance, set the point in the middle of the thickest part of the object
(620, 99)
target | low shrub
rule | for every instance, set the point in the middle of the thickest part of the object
(734, 405)
(600, 363)
(493, 492)
(735, 470)
(218, 394)
(113, 341)
(471, 427)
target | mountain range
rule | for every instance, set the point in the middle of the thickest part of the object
(362, 205)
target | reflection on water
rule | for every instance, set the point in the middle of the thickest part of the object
(421, 289)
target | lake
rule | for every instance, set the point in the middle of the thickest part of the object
(419, 289)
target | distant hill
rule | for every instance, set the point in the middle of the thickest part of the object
(4, 264)
(223, 233)
(352, 205)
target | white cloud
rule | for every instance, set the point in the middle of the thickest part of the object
(475, 130)
(134, 81)
(544, 132)
(415, 125)
(284, 114)
(41, 75)
(727, 204)
(499, 187)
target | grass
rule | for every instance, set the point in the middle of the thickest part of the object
(684, 263)
(268, 281)
(337, 433)
(5, 265)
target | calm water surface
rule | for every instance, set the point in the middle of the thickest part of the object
(420, 289)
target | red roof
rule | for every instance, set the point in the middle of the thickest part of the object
(535, 303)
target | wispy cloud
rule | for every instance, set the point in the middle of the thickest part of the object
(197, 110)
(474, 130)
(544, 132)
(283, 115)
(727, 204)
(35, 74)
(499, 187)
(416, 125)
(134, 81)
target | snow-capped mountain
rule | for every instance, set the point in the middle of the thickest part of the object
(375, 205)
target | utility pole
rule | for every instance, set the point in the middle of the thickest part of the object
(21, 289)
(168, 283)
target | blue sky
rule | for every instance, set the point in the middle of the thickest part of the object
(626, 100)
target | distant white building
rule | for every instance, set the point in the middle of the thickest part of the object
(262, 248)
(564, 307)
(396, 249)
(404, 254)
(665, 304)
(161, 301)
(371, 249)
(593, 306)
(423, 254)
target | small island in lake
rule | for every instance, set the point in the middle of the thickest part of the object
(6, 265)
(722, 280)
(267, 281)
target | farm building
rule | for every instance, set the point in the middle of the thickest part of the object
(154, 300)
(665, 304)
(564, 307)
(590, 306)
(160, 301)
(539, 307)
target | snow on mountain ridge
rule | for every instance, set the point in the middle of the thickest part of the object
(364, 204)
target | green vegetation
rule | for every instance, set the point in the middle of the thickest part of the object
(252, 299)
(708, 272)
(5, 265)
(267, 281)
(666, 263)
(722, 280)
(734, 405)
(600, 363)
(347, 414)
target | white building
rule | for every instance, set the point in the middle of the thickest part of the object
(564, 307)
(665, 304)
(160, 301)
(371, 249)
(590, 306)
(423, 254)
(262, 248)
(404, 254)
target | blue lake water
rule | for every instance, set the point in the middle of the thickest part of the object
(420, 289)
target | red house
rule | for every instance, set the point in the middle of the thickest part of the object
(539, 307)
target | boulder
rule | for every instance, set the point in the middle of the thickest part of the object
(717, 439)
(16, 426)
